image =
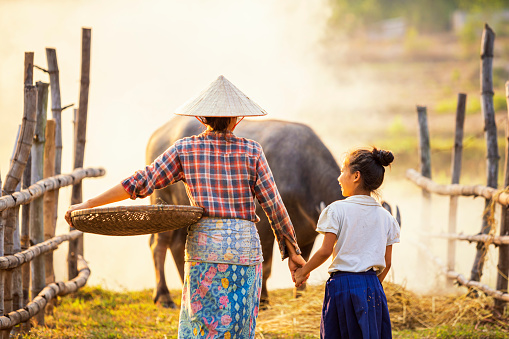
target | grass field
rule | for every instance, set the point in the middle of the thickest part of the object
(98, 313)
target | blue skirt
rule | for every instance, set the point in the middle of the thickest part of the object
(354, 307)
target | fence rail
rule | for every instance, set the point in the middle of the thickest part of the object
(429, 185)
(460, 278)
(49, 292)
(18, 259)
(39, 188)
(485, 238)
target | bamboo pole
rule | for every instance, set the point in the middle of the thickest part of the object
(56, 105)
(425, 162)
(13, 178)
(48, 293)
(500, 196)
(56, 113)
(487, 47)
(12, 261)
(485, 238)
(49, 197)
(503, 254)
(460, 278)
(15, 275)
(76, 247)
(455, 179)
(39, 188)
(25, 239)
(37, 205)
(26, 180)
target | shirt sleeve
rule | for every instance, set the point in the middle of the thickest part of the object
(165, 170)
(329, 221)
(268, 196)
(394, 231)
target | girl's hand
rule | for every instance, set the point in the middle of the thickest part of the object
(294, 262)
(74, 208)
(300, 278)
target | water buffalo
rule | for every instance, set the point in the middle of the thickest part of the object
(304, 170)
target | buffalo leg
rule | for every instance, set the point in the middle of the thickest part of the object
(161, 293)
(267, 249)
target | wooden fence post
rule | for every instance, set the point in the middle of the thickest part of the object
(25, 239)
(37, 205)
(76, 246)
(490, 127)
(56, 112)
(11, 182)
(503, 250)
(425, 161)
(455, 179)
(49, 197)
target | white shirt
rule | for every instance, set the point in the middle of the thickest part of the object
(363, 228)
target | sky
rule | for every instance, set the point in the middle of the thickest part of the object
(149, 57)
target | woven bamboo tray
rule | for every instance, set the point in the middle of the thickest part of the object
(135, 220)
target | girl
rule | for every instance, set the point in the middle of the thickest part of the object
(360, 233)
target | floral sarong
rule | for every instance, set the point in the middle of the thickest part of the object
(222, 280)
(220, 301)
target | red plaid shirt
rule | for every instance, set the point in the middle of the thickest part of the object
(223, 177)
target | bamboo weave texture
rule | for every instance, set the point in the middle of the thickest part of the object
(135, 220)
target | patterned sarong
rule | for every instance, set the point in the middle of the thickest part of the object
(220, 301)
(223, 280)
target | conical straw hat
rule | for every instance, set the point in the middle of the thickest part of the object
(221, 99)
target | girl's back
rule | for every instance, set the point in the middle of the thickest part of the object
(363, 228)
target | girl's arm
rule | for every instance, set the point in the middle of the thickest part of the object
(323, 253)
(114, 194)
(388, 261)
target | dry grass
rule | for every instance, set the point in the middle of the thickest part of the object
(412, 315)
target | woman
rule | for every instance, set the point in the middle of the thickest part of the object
(223, 174)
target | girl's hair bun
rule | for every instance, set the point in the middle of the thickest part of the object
(382, 156)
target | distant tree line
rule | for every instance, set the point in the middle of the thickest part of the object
(423, 15)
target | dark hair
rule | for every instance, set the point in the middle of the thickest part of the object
(218, 124)
(370, 163)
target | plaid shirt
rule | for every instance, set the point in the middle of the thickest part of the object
(223, 177)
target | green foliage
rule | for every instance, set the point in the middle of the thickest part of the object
(425, 15)
(448, 106)
(396, 128)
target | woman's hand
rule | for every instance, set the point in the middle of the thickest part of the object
(294, 262)
(74, 208)
(300, 277)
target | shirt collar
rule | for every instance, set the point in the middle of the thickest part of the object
(362, 200)
(218, 133)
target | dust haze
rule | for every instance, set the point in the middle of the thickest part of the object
(148, 58)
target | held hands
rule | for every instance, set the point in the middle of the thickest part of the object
(299, 277)
(295, 262)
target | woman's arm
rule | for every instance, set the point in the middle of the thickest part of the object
(388, 261)
(323, 253)
(295, 260)
(268, 196)
(114, 194)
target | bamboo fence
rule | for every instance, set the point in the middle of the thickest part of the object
(32, 185)
(490, 192)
